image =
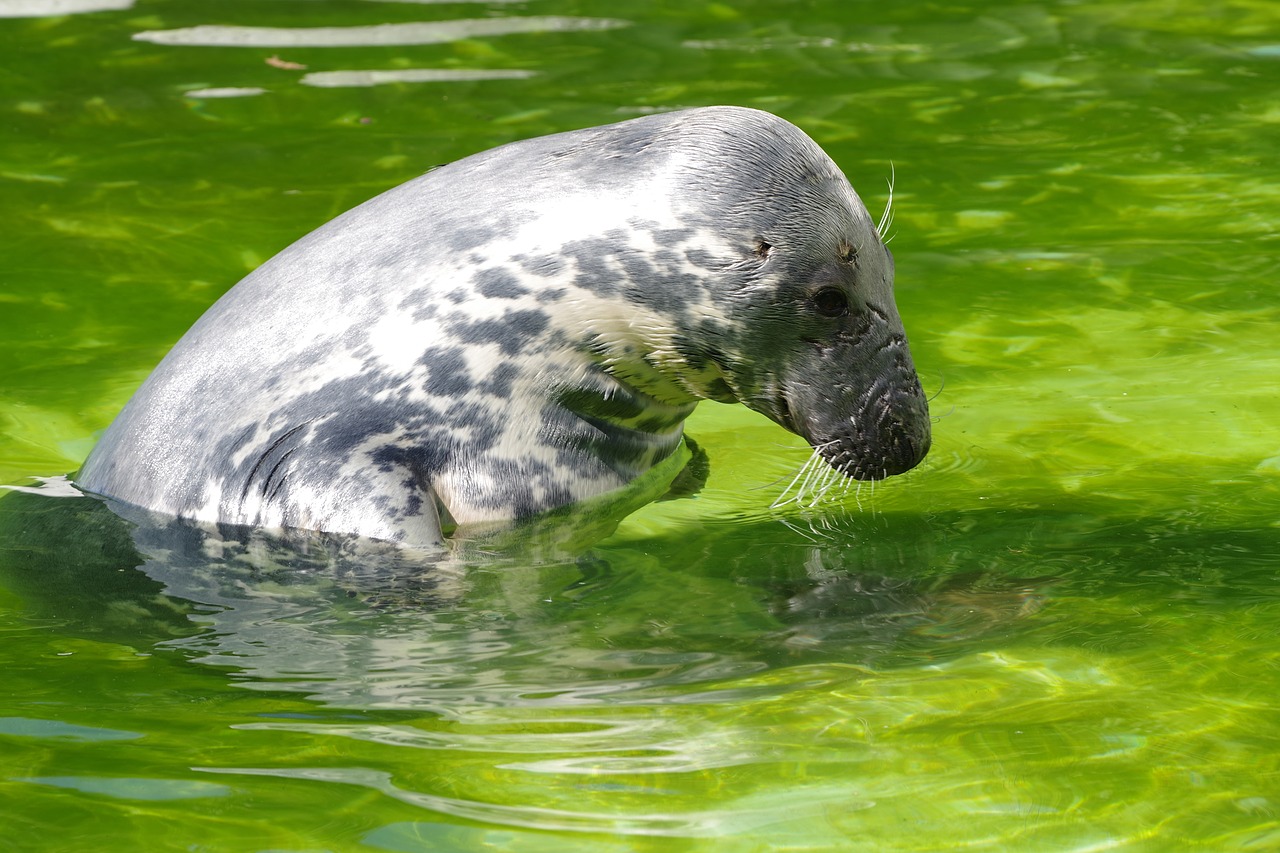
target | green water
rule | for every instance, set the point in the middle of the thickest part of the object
(1059, 633)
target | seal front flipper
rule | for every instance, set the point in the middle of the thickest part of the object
(693, 476)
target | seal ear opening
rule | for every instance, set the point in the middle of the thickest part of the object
(763, 250)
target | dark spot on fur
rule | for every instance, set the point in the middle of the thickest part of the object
(447, 372)
(233, 444)
(499, 284)
(702, 259)
(483, 424)
(500, 380)
(425, 313)
(672, 237)
(627, 141)
(511, 332)
(594, 271)
(690, 353)
(466, 237)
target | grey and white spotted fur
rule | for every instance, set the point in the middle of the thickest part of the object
(527, 328)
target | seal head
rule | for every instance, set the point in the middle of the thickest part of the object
(815, 341)
(528, 328)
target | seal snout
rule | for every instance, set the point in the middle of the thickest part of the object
(894, 446)
(899, 433)
(866, 432)
(903, 446)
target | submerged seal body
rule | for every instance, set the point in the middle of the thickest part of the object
(527, 328)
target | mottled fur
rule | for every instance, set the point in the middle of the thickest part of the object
(527, 328)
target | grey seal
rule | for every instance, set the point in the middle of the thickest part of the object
(528, 328)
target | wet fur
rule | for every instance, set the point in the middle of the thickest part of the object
(528, 328)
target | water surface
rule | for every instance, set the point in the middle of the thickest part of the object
(1057, 634)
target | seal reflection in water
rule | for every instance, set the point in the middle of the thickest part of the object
(528, 328)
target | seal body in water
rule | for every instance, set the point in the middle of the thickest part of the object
(527, 328)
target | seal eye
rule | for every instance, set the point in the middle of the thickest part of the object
(831, 302)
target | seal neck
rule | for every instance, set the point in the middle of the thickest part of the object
(622, 426)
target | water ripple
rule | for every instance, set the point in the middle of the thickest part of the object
(378, 35)
(344, 79)
(51, 8)
(706, 823)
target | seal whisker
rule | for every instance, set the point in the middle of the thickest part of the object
(886, 218)
(781, 499)
(830, 478)
(815, 465)
(942, 383)
(817, 480)
(816, 488)
(812, 467)
(817, 538)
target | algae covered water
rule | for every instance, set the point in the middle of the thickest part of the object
(1059, 633)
